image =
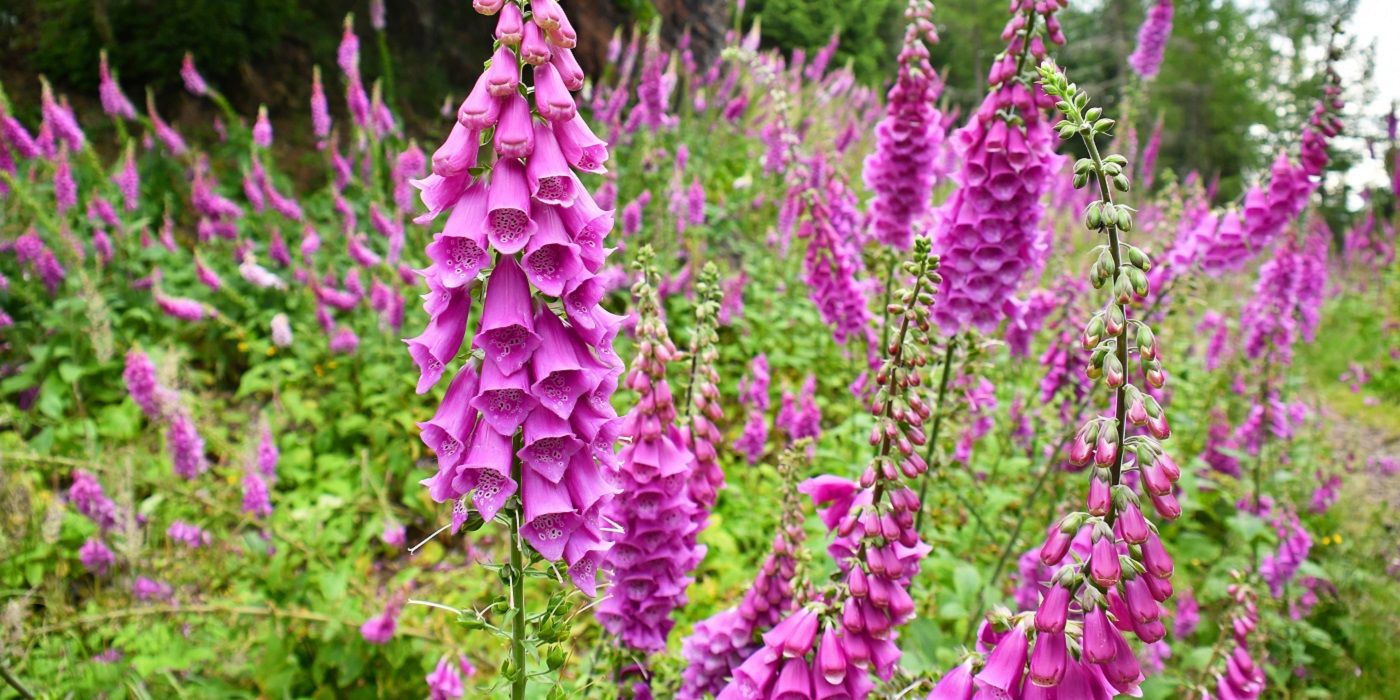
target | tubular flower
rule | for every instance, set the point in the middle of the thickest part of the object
(753, 393)
(144, 387)
(833, 641)
(720, 643)
(901, 170)
(1146, 60)
(1267, 212)
(1127, 571)
(652, 558)
(186, 446)
(526, 427)
(989, 228)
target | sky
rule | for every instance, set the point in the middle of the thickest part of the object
(1372, 19)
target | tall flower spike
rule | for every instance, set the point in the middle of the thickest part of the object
(720, 643)
(653, 556)
(1120, 585)
(1152, 37)
(526, 424)
(990, 228)
(901, 169)
(702, 435)
(876, 547)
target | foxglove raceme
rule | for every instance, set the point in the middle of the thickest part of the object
(1146, 60)
(527, 428)
(988, 230)
(901, 170)
(652, 558)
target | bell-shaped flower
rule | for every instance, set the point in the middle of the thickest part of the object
(440, 341)
(551, 180)
(551, 259)
(508, 223)
(549, 515)
(549, 444)
(506, 333)
(515, 135)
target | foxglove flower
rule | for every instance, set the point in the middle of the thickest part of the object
(901, 170)
(185, 445)
(987, 230)
(702, 436)
(86, 497)
(96, 557)
(753, 393)
(114, 102)
(194, 82)
(541, 380)
(191, 536)
(656, 551)
(144, 387)
(257, 502)
(1146, 60)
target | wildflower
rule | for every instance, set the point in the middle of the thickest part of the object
(96, 557)
(191, 536)
(142, 385)
(1146, 60)
(987, 229)
(185, 445)
(114, 102)
(900, 170)
(194, 82)
(281, 331)
(87, 497)
(257, 501)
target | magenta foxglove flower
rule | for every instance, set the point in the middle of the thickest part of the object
(185, 445)
(987, 230)
(653, 556)
(344, 341)
(171, 139)
(181, 308)
(543, 378)
(267, 454)
(86, 497)
(257, 502)
(380, 628)
(900, 170)
(445, 681)
(65, 188)
(191, 536)
(59, 118)
(262, 129)
(144, 387)
(194, 82)
(96, 557)
(146, 589)
(1146, 60)
(114, 102)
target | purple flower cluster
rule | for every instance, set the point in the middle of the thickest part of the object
(832, 265)
(1267, 213)
(799, 416)
(1243, 677)
(1218, 445)
(87, 497)
(1146, 60)
(191, 536)
(753, 394)
(1294, 543)
(720, 644)
(532, 416)
(185, 445)
(144, 387)
(95, 556)
(901, 170)
(1287, 300)
(652, 557)
(988, 228)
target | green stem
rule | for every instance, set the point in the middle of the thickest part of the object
(889, 292)
(15, 682)
(933, 432)
(517, 597)
(1121, 395)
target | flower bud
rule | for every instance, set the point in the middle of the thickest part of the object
(1133, 525)
(1098, 500)
(1104, 566)
(1049, 659)
(1098, 637)
(1053, 610)
(1057, 543)
(1166, 506)
(1106, 450)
